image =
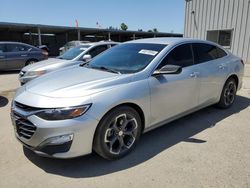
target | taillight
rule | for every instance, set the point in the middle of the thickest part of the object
(242, 62)
(45, 53)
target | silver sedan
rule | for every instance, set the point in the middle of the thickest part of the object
(73, 56)
(106, 104)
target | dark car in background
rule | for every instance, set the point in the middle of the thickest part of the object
(16, 55)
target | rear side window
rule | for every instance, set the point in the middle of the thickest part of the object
(206, 52)
(17, 48)
(221, 53)
(181, 56)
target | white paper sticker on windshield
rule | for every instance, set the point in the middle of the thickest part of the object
(148, 52)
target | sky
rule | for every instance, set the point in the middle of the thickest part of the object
(165, 15)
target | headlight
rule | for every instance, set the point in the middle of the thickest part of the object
(63, 113)
(35, 73)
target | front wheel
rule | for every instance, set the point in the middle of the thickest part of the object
(228, 94)
(117, 133)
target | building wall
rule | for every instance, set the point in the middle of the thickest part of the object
(204, 15)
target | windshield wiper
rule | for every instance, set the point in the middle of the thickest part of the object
(83, 64)
(107, 69)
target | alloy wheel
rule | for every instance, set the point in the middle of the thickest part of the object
(229, 93)
(121, 134)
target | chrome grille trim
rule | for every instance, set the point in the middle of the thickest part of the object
(24, 128)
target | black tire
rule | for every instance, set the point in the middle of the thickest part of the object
(31, 61)
(116, 129)
(228, 94)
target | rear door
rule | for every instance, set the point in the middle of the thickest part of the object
(2, 56)
(208, 62)
(16, 56)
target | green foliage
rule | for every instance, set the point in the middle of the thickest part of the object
(124, 27)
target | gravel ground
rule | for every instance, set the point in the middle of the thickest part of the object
(209, 148)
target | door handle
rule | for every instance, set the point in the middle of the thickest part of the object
(222, 66)
(24, 55)
(1, 56)
(194, 74)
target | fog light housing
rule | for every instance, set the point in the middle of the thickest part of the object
(57, 144)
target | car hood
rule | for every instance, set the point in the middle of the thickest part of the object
(75, 82)
(45, 64)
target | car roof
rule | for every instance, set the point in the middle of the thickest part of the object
(101, 42)
(168, 40)
(11, 42)
(98, 43)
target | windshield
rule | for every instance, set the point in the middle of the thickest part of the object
(74, 52)
(127, 58)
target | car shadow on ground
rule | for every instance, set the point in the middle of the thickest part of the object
(3, 101)
(151, 144)
(10, 72)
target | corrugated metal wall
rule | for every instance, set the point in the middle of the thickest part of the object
(220, 15)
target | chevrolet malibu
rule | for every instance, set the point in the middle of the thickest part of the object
(106, 104)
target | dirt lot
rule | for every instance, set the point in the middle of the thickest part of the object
(210, 148)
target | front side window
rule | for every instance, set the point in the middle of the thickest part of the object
(97, 50)
(127, 58)
(74, 52)
(181, 56)
(2, 48)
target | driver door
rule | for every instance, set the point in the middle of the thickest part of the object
(174, 94)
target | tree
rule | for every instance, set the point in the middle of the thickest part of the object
(150, 31)
(155, 30)
(124, 27)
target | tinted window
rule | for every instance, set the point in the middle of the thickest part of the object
(2, 48)
(128, 57)
(206, 52)
(221, 53)
(181, 55)
(17, 48)
(97, 50)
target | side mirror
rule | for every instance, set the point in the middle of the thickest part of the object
(62, 48)
(86, 57)
(168, 69)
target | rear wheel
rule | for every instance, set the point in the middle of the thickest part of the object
(228, 94)
(31, 61)
(117, 133)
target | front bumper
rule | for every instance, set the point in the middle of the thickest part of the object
(82, 129)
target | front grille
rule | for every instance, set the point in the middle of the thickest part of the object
(24, 127)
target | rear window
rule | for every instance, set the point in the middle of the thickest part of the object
(206, 52)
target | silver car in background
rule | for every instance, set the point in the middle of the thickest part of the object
(71, 57)
(70, 45)
(106, 104)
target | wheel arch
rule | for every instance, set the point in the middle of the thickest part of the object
(132, 105)
(235, 77)
(31, 59)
